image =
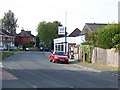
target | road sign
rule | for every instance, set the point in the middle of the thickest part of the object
(61, 30)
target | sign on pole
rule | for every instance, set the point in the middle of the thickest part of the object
(61, 30)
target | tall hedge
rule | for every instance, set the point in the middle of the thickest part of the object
(106, 34)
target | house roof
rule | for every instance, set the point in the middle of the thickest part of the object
(89, 27)
(25, 33)
(76, 32)
(1, 33)
(4, 32)
(95, 26)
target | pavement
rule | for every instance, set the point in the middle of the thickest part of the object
(99, 69)
(92, 67)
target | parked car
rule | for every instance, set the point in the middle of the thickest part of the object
(12, 48)
(20, 47)
(58, 56)
(44, 49)
(27, 49)
(3, 48)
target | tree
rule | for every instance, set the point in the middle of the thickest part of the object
(37, 42)
(106, 37)
(47, 32)
(106, 34)
(9, 22)
(89, 38)
(29, 44)
(116, 40)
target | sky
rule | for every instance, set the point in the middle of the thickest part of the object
(71, 13)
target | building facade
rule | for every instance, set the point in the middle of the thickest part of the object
(6, 39)
(59, 43)
(24, 37)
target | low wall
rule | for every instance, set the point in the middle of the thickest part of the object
(106, 57)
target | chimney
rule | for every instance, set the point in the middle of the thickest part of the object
(22, 32)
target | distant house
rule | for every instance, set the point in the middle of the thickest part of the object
(24, 37)
(91, 27)
(75, 33)
(6, 39)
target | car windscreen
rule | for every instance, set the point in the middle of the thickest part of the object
(60, 53)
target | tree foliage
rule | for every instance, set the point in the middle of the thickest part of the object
(89, 38)
(47, 31)
(9, 21)
(106, 37)
(106, 34)
(37, 42)
(29, 44)
(116, 41)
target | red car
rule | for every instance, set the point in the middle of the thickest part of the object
(58, 57)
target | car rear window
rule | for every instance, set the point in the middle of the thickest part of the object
(59, 53)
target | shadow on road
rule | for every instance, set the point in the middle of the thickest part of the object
(73, 62)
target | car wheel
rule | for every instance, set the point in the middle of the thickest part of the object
(50, 60)
(61, 62)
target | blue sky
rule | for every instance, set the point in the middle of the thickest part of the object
(79, 12)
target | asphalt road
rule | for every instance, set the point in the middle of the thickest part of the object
(34, 70)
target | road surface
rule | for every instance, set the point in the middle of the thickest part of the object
(34, 70)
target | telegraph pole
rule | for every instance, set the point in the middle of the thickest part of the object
(66, 32)
(119, 12)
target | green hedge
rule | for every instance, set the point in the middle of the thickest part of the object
(106, 34)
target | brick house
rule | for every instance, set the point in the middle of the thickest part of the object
(24, 37)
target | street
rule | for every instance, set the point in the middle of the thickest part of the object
(34, 70)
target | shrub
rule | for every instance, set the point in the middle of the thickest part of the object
(116, 41)
(88, 50)
(105, 36)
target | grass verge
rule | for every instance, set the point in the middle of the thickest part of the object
(104, 66)
(6, 54)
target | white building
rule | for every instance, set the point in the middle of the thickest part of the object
(59, 43)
